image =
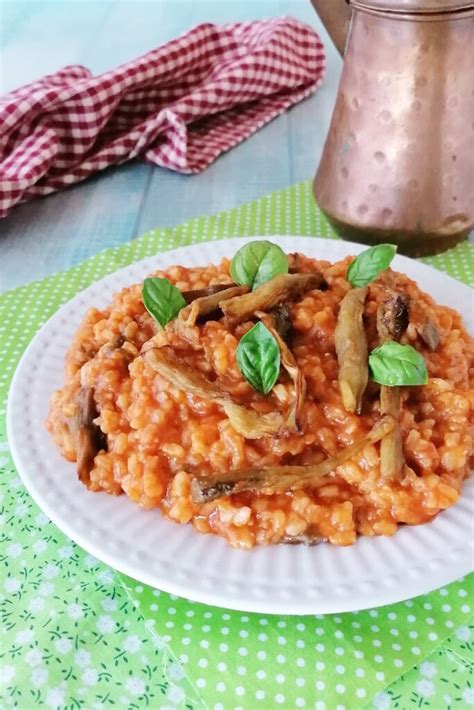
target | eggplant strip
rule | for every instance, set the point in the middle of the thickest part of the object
(252, 424)
(351, 349)
(190, 296)
(424, 325)
(207, 304)
(282, 288)
(283, 324)
(182, 376)
(294, 419)
(392, 317)
(247, 422)
(278, 479)
(429, 333)
(391, 448)
(89, 439)
(306, 538)
(392, 321)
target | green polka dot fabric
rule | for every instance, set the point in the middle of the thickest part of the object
(75, 634)
(353, 660)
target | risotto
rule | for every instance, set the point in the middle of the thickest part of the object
(320, 448)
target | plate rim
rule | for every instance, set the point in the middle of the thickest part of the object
(444, 575)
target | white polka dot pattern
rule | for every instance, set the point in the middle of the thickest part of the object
(260, 674)
(420, 666)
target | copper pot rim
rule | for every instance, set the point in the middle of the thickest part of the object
(416, 17)
(413, 7)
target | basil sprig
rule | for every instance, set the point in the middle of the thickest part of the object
(258, 262)
(162, 300)
(393, 365)
(369, 264)
(258, 358)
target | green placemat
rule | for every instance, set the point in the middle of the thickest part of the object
(75, 634)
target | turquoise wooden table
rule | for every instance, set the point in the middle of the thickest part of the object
(53, 233)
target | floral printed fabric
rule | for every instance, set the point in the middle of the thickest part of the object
(74, 634)
(444, 681)
(70, 636)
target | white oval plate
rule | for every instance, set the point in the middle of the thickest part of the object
(282, 579)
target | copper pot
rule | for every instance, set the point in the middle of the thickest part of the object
(398, 163)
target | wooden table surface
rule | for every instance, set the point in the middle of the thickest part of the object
(55, 232)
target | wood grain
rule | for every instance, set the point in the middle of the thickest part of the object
(55, 232)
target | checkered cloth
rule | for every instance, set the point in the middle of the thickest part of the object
(179, 106)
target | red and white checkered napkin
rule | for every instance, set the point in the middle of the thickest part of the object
(179, 106)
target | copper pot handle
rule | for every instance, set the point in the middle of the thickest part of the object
(335, 15)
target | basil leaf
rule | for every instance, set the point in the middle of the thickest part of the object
(370, 263)
(258, 262)
(162, 300)
(258, 358)
(392, 364)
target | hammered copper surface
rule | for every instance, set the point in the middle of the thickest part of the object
(398, 163)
